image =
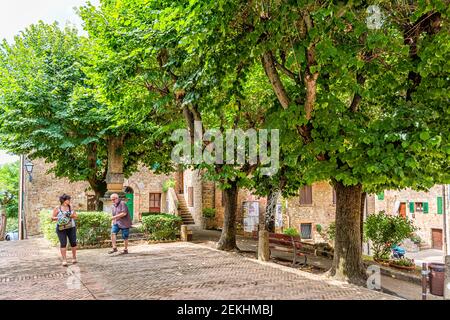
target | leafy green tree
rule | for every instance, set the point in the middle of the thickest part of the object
(385, 231)
(363, 108)
(52, 107)
(9, 188)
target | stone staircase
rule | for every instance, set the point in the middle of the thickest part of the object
(184, 211)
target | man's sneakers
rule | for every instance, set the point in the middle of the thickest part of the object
(112, 251)
(125, 251)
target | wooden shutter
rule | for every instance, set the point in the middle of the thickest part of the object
(411, 207)
(440, 208)
(306, 195)
(381, 196)
(425, 207)
(190, 196)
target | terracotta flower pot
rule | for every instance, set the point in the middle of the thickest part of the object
(409, 268)
(384, 262)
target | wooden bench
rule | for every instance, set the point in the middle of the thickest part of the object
(285, 243)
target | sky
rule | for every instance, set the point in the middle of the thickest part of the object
(16, 15)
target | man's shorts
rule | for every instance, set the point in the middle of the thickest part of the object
(125, 232)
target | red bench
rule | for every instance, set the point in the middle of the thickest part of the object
(285, 243)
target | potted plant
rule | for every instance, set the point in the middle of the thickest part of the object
(404, 264)
(209, 215)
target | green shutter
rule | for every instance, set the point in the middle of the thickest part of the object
(381, 196)
(439, 205)
(425, 207)
(411, 207)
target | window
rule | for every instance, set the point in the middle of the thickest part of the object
(420, 207)
(190, 196)
(306, 230)
(155, 202)
(306, 195)
(334, 196)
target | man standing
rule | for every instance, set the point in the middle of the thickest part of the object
(120, 221)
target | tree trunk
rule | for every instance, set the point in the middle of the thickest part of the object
(361, 218)
(271, 208)
(2, 224)
(227, 240)
(347, 263)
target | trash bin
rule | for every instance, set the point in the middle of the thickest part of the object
(436, 278)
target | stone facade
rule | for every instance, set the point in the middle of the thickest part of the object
(321, 212)
(391, 200)
(44, 190)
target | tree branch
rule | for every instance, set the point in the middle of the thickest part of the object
(268, 63)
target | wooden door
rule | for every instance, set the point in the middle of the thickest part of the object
(436, 238)
(402, 210)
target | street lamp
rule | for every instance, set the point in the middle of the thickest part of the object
(29, 167)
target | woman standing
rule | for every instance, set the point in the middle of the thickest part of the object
(66, 227)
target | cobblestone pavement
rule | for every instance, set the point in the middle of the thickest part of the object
(31, 269)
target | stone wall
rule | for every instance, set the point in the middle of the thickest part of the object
(321, 212)
(243, 195)
(44, 191)
(143, 182)
(192, 178)
(424, 221)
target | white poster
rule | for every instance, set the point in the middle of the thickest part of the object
(251, 215)
(279, 216)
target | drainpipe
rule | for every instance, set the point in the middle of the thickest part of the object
(445, 226)
(21, 198)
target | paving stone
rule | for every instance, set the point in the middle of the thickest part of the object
(31, 269)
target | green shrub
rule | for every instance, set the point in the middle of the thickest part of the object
(92, 227)
(319, 228)
(12, 224)
(404, 262)
(385, 231)
(291, 232)
(161, 226)
(146, 214)
(209, 212)
(331, 231)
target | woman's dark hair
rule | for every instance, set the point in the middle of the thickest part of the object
(63, 198)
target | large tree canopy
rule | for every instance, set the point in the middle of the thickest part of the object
(52, 107)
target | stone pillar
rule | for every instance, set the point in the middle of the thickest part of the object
(114, 176)
(447, 278)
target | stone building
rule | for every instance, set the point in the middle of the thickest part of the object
(144, 191)
(312, 211)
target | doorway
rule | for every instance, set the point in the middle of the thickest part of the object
(436, 238)
(402, 210)
(129, 194)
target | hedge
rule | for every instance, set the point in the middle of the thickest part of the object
(161, 226)
(92, 227)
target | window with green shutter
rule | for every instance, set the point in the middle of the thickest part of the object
(411, 207)
(425, 207)
(381, 196)
(440, 208)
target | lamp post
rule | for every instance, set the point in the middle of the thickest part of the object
(29, 167)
